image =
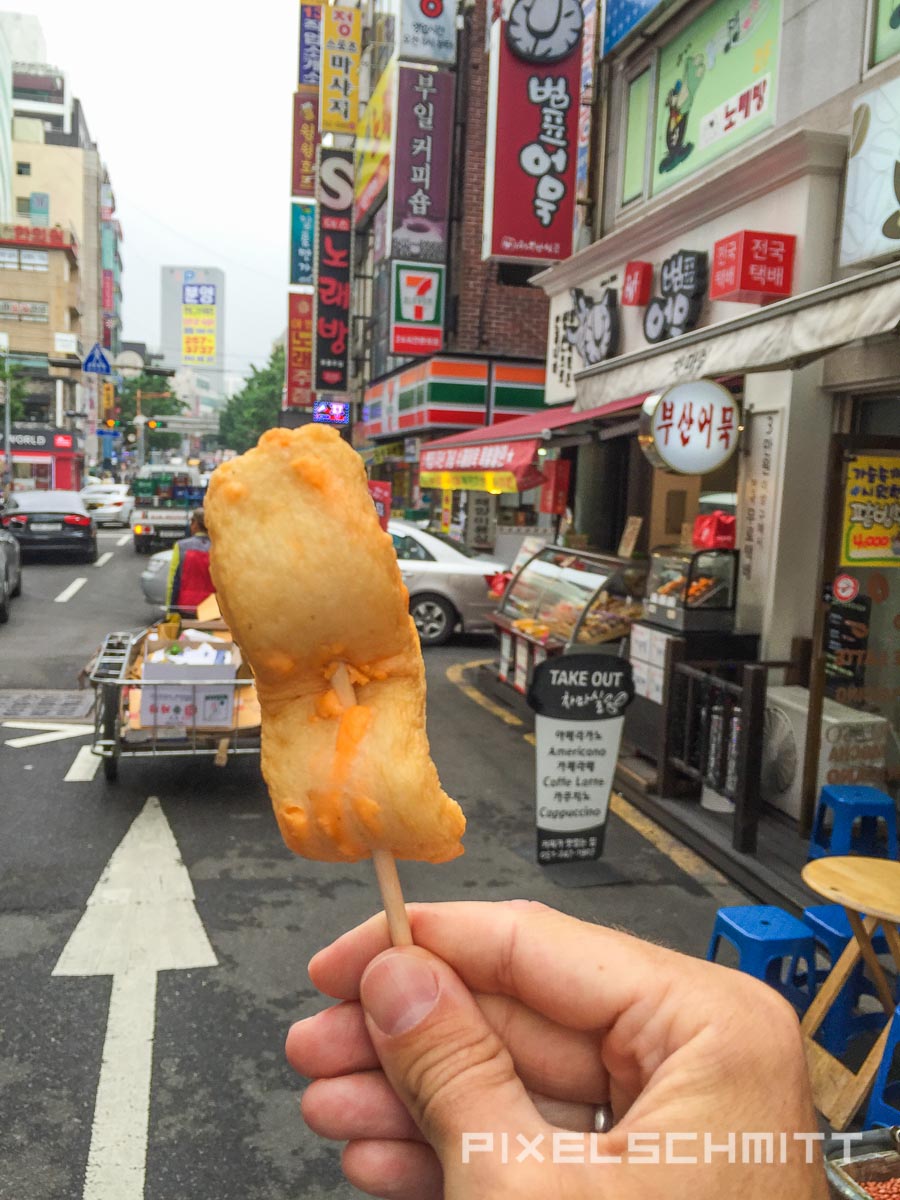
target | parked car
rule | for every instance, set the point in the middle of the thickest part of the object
(10, 572)
(108, 503)
(155, 578)
(449, 584)
(51, 521)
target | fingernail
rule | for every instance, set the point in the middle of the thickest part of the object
(398, 992)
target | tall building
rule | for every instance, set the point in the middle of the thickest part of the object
(192, 333)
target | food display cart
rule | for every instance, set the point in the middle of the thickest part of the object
(174, 689)
(560, 598)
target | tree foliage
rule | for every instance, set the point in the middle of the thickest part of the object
(255, 408)
(18, 387)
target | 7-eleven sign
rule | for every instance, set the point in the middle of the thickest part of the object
(417, 308)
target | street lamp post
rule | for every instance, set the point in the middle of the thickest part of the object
(7, 413)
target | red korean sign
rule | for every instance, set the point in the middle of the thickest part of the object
(108, 292)
(381, 498)
(299, 351)
(334, 242)
(637, 284)
(530, 165)
(555, 492)
(36, 235)
(753, 268)
(306, 141)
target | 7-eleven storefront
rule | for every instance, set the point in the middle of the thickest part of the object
(438, 396)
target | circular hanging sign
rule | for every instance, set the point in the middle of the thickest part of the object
(544, 31)
(846, 588)
(691, 428)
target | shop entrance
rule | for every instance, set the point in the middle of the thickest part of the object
(856, 663)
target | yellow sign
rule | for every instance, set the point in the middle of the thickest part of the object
(373, 146)
(871, 535)
(495, 482)
(387, 451)
(107, 398)
(339, 80)
(198, 333)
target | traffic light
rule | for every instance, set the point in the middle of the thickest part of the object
(112, 423)
(153, 423)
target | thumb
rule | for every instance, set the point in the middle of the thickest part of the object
(444, 1061)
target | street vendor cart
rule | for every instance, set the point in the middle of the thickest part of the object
(158, 696)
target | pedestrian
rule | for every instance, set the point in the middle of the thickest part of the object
(189, 579)
(516, 1053)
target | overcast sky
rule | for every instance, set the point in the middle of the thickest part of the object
(190, 106)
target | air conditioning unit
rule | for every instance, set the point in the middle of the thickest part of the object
(852, 749)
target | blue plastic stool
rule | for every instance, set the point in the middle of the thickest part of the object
(842, 1023)
(884, 1103)
(766, 938)
(848, 804)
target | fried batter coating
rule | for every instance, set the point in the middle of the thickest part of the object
(307, 580)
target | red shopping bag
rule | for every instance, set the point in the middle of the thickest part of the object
(714, 531)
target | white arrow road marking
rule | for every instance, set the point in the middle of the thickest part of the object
(53, 732)
(67, 593)
(84, 766)
(140, 919)
(124, 539)
(104, 559)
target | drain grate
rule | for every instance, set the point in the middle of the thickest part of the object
(28, 704)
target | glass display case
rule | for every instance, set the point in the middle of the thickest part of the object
(563, 597)
(691, 589)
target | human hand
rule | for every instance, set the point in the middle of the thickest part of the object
(514, 1019)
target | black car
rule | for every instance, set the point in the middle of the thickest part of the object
(51, 521)
(10, 572)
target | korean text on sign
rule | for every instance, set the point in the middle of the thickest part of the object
(341, 46)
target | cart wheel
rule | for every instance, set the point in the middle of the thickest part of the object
(109, 722)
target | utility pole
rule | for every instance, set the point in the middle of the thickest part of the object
(7, 415)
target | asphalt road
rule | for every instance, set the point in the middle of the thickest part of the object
(223, 1118)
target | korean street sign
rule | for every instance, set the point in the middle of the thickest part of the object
(339, 82)
(334, 243)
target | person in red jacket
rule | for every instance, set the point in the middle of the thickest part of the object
(189, 579)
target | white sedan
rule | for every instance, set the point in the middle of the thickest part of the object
(108, 503)
(449, 584)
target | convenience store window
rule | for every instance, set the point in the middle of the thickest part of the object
(885, 24)
(636, 136)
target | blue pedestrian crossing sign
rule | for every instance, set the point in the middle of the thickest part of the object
(96, 362)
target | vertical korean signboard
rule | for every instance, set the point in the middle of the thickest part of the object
(373, 145)
(334, 235)
(417, 308)
(308, 73)
(419, 201)
(341, 48)
(579, 702)
(306, 141)
(534, 88)
(198, 324)
(299, 353)
(303, 241)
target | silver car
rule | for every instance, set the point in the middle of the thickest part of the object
(108, 503)
(10, 572)
(448, 583)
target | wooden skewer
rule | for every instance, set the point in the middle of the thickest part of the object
(385, 864)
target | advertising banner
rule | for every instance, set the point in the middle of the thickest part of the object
(417, 308)
(310, 66)
(871, 536)
(583, 143)
(373, 145)
(428, 31)
(381, 498)
(420, 172)
(715, 86)
(198, 334)
(39, 208)
(334, 244)
(108, 292)
(107, 203)
(303, 241)
(580, 702)
(871, 224)
(621, 16)
(339, 84)
(298, 392)
(887, 30)
(306, 141)
(530, 161)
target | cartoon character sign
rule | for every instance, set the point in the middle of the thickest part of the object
(593, 331)
(544, 31)
(679, 102)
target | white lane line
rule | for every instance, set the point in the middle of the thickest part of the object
(67, 593)
(52, 732)
(84, 766)
(124, 539)
(104, 559)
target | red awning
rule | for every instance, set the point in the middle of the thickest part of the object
(455, 454)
